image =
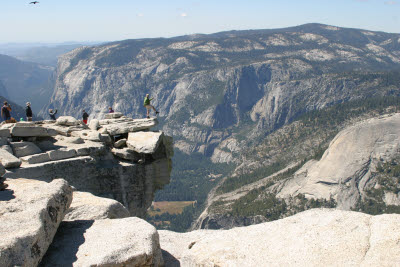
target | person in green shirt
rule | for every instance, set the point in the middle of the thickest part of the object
(148, 106)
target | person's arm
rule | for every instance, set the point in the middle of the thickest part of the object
(1, 112)
(55, 112)
(151, 98)
(9, 107)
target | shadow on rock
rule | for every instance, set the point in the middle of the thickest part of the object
(6, 195)
(66, 243)
(169, 260)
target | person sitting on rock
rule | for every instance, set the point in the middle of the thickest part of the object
(85, 117)
(52, 114)
(147, 105)
(28, 111)
(6, 112)
(110, 110)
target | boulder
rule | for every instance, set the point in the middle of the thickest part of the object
(144, 142)
(86, 206)
(5, 133)
(62, 153)
(94, 125)
(88, 135)
(114, 115)
(3, 141)
(105, 138)
(30, 218)
(67, 121)
(8, 149)
(28, 131)
(125, 153)
(120, 143)
(22, 149)
(118, 242)
(37, 158)
(74, 140)
(9, 160)
(319, 237)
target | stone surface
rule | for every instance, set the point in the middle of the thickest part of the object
(345, 168)
(7, 148)
(88, 135)
(67, 121)
(119, 242)
(9, 160)
(5, 133)
(2, 170)
(94, 125)
(30, 216)
(22, 149)
(3, 141)
(125, 153)
(144, 142)
(114, 115)
(37, 158)
(25, 131)
(62, 153)
(318, 237)
(120, 143)
(86, 206)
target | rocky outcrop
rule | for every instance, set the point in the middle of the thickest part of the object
(30, 213)
(318, 237)
(119, 242)
(86, 158)
(345, 170)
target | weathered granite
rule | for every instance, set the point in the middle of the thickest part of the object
(88, 135)
(4, 132)
(29, 219)
(3, 141)
(62, 153)
(37, 158)
(67, 121)
(118, 242)
(126, 153)
(114, 115)
(120, 143)
(94, 125)
(28, 131)
(9, 160)
(22, 149)
(86, 206)
(318, 237)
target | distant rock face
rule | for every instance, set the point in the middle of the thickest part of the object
(312, 238)
(87, 160)
(31, 212)
(344, 171)
(206, 86)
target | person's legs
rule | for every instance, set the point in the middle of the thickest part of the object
(29, 118)
(148, 107)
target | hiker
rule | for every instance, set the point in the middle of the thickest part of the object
(52, 114)
(6, 112)
(85, 116)
(28, 111)
(110, 110)
(146, 104)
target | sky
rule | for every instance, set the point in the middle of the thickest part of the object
(56, 21)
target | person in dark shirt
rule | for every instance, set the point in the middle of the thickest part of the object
(110, 110)
(52, 114)
(6, 112)
(28, 112)
(85, 117)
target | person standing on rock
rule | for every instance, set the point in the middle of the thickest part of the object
(85, 117)
(52, 114)
(146, 104)
(28, 112)
(6, 112)
(110, 110)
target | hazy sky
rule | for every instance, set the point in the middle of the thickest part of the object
(101, 20)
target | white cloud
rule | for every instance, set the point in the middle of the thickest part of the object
(140, 15)
(390, 3)
(184, 15)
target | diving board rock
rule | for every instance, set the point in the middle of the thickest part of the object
(118, 242)
(29, 219)
(116, 127)
(114, 115)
